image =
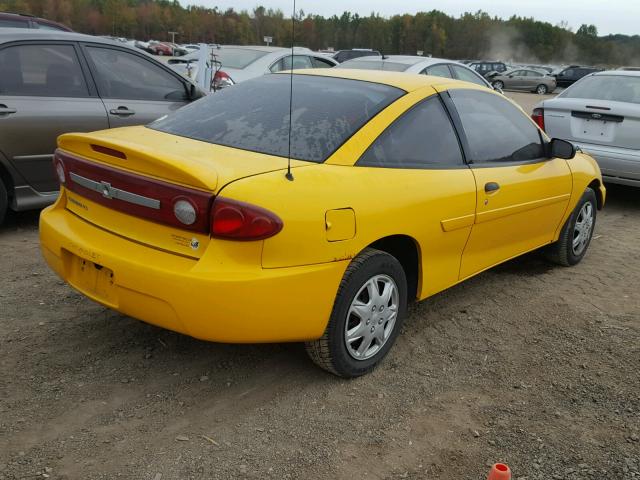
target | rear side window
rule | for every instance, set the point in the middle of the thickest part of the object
(439, 71)
(41, 71)
(423, 137)
(496, 130)
(300, 62)
(321, 63)
(467, 75)
(615, 88)
(254, 115)
(123, 75)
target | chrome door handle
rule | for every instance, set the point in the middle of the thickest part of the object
(122, 112)
(491, 187)
(4, 110)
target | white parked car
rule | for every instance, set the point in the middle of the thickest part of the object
(600, 113)
(438, 67)
(235, 64)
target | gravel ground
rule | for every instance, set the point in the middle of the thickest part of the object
(529, 364)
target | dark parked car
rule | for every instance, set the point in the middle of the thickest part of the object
(484, 68)
(344, 55)
(570, 75)
(18, 20)
(55, 82)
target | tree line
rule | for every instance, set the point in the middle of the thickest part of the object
(469, 36)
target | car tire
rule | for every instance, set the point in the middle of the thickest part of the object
(542, 89)
(352, 315)
(160, 53)
(498, 85)
(576, 233)
(4, 201)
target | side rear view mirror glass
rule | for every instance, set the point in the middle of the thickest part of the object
(559, 148)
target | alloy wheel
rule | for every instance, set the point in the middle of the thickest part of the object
(371, 317)
(582, 229)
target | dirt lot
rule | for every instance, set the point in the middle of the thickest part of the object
(530, 364)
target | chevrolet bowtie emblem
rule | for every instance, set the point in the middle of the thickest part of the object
(107, 190)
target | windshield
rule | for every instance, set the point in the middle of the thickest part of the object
(615, 88)
(375, 65)
(254, 115)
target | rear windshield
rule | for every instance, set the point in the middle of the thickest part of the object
(615, 88)
(254, 115)
(375, 65)
(237, 57)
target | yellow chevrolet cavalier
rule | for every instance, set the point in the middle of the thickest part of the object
(400, 187)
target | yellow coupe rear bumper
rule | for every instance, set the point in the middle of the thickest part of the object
(239, 304)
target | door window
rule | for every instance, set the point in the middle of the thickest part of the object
(438, 71)
(11, 23)
(496, 130)
(421, 138)
(124, 75)
(41, 71)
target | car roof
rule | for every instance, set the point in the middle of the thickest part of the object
(618, 73)
(16, 34)
(262, 48)
(404, 59)
(405, 81)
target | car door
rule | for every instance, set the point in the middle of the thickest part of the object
(521, 194)
(44, 92)
(135, 90)
(515, 80)
(419, 159)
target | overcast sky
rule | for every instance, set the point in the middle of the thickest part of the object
(612, 16)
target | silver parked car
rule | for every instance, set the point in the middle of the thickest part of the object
(438, 67)
(600, 114)
(235, 64)
(524, 79)
(57, 82)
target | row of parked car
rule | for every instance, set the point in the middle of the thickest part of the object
(54, 81)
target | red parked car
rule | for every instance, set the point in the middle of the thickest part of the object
(159, 48)
(20, 20)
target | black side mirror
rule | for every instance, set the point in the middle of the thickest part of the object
(559, 148)
(194, 92)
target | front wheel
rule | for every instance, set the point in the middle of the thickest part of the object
(367, 315)
(541, 89)
(498, 85)
(576, 233)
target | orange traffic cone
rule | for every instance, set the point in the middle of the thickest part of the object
(499, 471)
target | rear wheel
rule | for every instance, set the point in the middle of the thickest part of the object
(498, 85)
(4, 201)
(367, 315)
(576, 233)
(541, 89)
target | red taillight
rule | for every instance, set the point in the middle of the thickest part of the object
(221, 80)
(137, 195)
(538, 117)
(234, 220)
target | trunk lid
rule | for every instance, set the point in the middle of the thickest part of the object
(595, 122)
(156, 168)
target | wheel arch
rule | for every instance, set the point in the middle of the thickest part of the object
(595, 186)
(406, 250)
(6, 178)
